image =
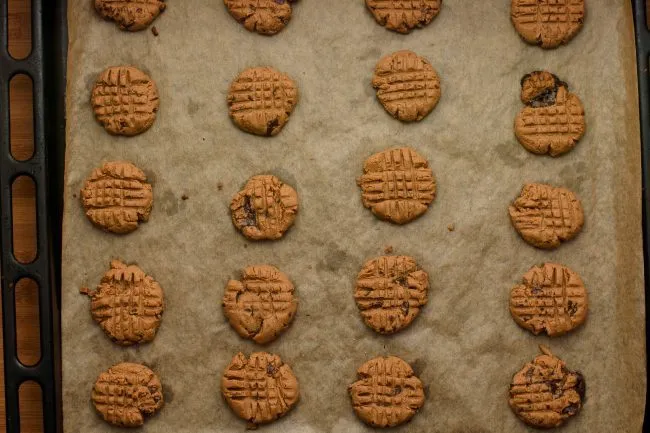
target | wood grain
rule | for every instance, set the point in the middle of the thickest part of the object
(26, 292)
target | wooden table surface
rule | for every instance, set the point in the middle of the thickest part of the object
(24, 222)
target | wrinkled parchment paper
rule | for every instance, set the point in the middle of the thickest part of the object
(464, 345)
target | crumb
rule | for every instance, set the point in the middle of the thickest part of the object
(74, 195)
(154, 30)
(309, 267)
(451, 227)
(203, 138)
(388, 249)
(184, 197)
(219, 186)
(245, 245)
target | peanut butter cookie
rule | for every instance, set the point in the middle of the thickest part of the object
(545, 393)
(546, 216)
(128, 304)
(390, 292)
(259, 389)
(262, 305)
(551, 299)
(126, 393)
(265, 208)
(266, 17)
(397, 185)
(553, 120)
(388, 393)
(116, 197)
(404, 15)
(131, 15)
(261, 100)
(547, 23)
(125, 100)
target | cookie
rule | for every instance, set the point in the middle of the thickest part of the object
(546, 216)
(553, 120)
(551, 299)
(131, 15)
(265, 208)
(126, 393)
(266, 17)
(397, 185)
(259, 389)
(547, 23)
(261, 100)
(116, 197)
(125, 100)
(404, 15)
(407, 85)
(128, 304)
(262, 305)
(388, 393)
(390, 292)
(545, 393)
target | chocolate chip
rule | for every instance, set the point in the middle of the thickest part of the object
(251, 215)
(271, 370)
(571, 409)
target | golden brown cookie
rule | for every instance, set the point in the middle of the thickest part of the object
(132, 15)
(545, 393)
(553, 120)
(404, 15)
(126, 393)
(407, 85)
(397, 185)
(128, 304)
(390, 291)
(259, 389)
(388, 393)
(261, 100)
(116, 197)
(265, 208)
(125, 100)
(545, 215)
(262, 305)
(266, 17)
(551, 299)
(547, 23)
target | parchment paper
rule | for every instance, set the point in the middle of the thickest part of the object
(464, 345)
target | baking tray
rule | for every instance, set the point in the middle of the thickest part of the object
(46, 65)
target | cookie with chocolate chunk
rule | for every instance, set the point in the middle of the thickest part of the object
(260, 100)
(553, 120)
(131, 15)
(545, 393)
(265, 208)
(551, 299)
(260, 388)
(387, 393)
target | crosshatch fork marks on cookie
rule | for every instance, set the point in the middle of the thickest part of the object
(261, 388)
(545, 393)
(407, 85)
(387, 393)
(128, 304)
(404, 15)
(265, 17)
(397, 185)
(548, 24)
(126, 393)
(117, 197)
(262, 305)
(551, 299)
(261, 100)
(545, 215)
(390, 292)
(125, 100)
